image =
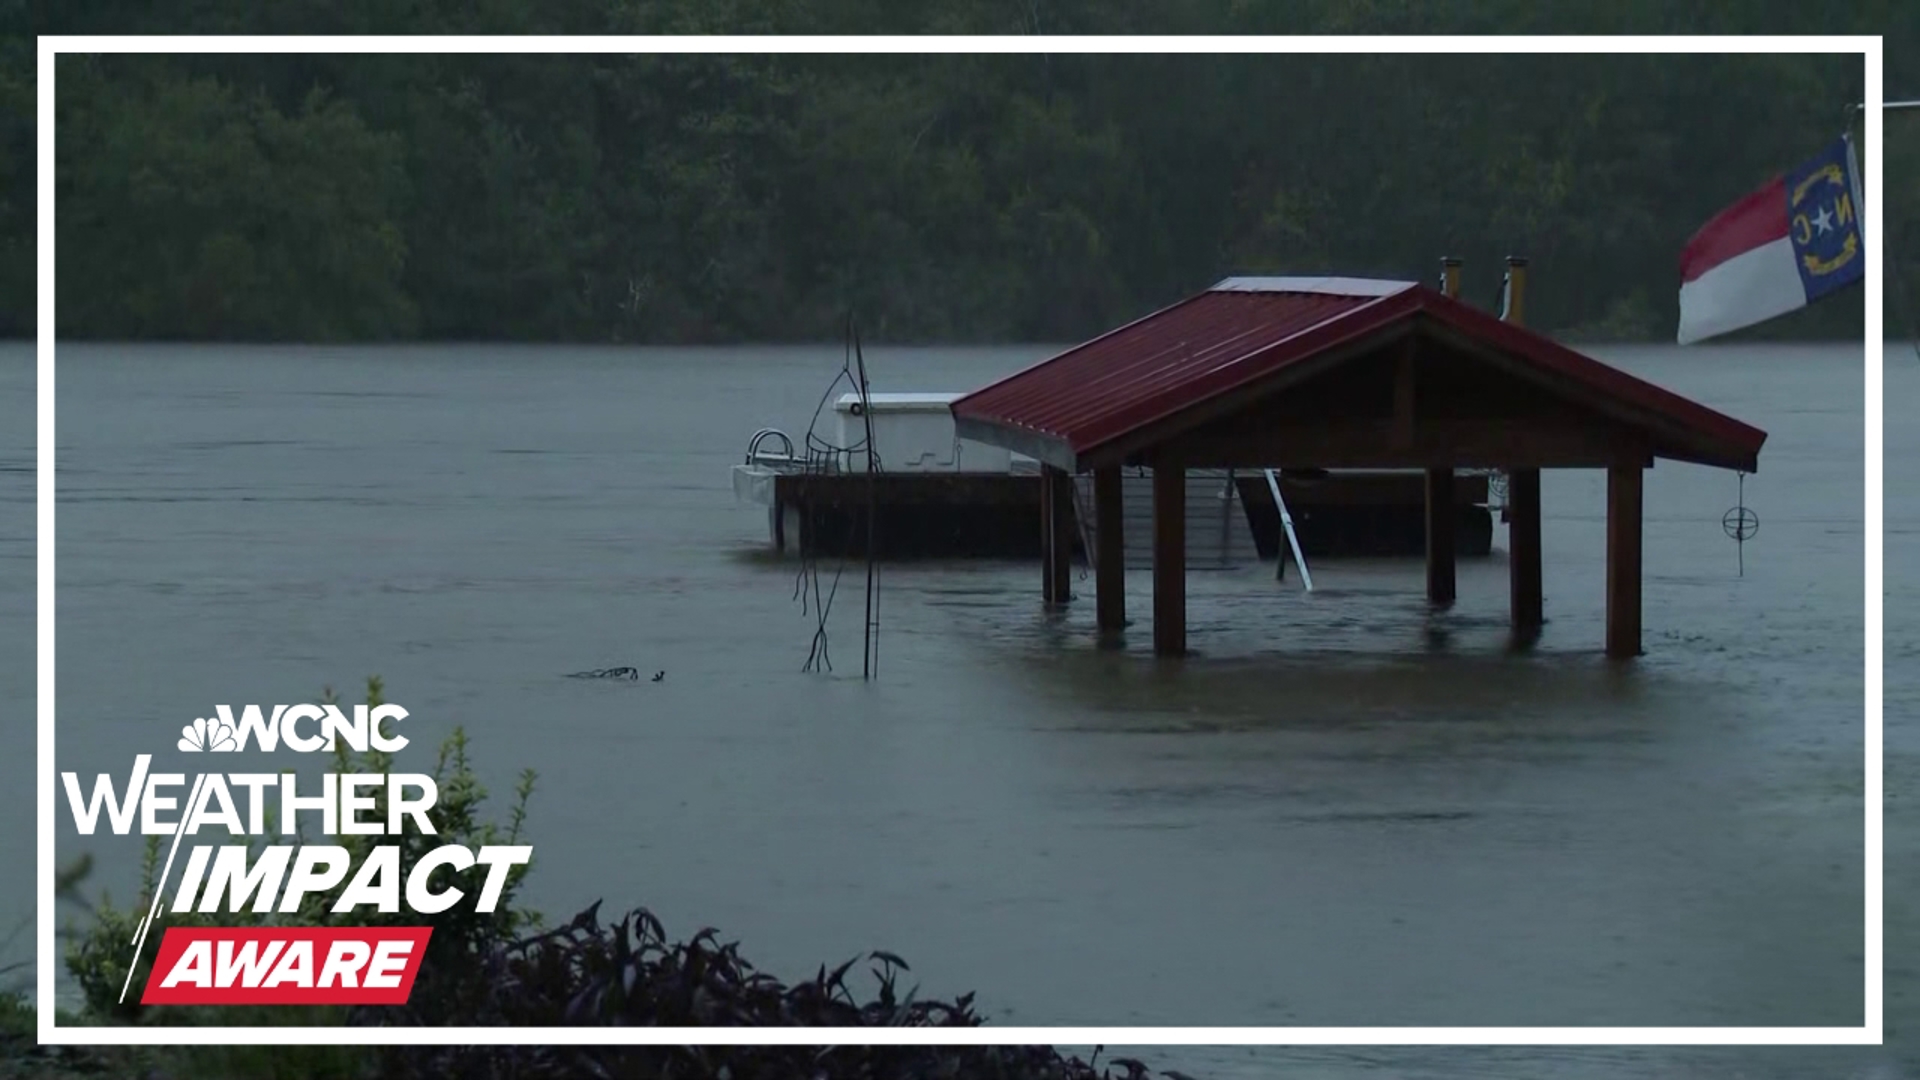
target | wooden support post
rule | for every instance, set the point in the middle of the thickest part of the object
(1110, 561)
(1063, 534)
(1523, 550)
(1523, 494)
(1047, 529)
(1624, 501)
(1441, 540)
(1169, 560)
(1405, 378)
(1056, 535)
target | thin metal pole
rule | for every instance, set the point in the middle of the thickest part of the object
(1853, 167)
(1286, 526)
(869, 641)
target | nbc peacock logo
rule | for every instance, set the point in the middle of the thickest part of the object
(203, 735)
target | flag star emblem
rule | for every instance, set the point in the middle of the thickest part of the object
(1823, 221)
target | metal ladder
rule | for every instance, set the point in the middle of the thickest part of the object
(1084, 522)
(1083, 519)
(756, 457)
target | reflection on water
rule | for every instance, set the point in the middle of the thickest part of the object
(1346, 809)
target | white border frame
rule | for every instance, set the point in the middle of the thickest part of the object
(1870, 1033)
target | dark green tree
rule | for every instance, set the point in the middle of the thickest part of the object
(969, 198)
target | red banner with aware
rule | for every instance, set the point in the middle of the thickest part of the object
(332, 965)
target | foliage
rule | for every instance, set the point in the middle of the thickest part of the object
(201, 210)
(98, 957)
(22, 1056)
(18, 215)
(495, 970)
(669, 198)
(629, 974)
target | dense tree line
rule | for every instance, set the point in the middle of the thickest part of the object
(970, 198)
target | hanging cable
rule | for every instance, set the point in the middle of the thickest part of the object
(870, 638)
(824, 457)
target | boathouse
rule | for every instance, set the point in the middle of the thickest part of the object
(1333, 373)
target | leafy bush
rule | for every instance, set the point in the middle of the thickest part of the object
(489, 970)
(629, 975)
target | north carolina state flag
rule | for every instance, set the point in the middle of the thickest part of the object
(1782, 247)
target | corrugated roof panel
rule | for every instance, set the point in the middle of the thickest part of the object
(1245, 329)
(1156, 366)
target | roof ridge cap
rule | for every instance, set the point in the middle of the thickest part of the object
(1318, 285)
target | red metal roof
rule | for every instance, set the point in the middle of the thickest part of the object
(1247, 329)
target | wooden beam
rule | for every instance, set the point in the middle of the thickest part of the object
(848, 490)
(1523, 551)
(1065, 532)
(1436, 443)
(1047, 529)
(1110, 536)
(1150, 439)
(1675, 442)
(1525, 596)
(1624, 507)
(1169, 560)
(1056, 535)
(1404, 376)
(1441, 586)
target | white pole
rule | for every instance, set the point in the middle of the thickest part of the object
(1286, 525)
(1853, 177)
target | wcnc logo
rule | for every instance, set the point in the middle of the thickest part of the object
(274, 963)
(223, 733)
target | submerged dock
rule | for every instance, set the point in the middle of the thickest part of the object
(1230, 516)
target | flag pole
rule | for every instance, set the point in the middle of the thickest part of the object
(1853, 168)
(1853, 177)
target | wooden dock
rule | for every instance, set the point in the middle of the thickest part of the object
(1230, 517)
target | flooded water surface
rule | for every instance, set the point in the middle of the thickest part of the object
(1345, 810)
